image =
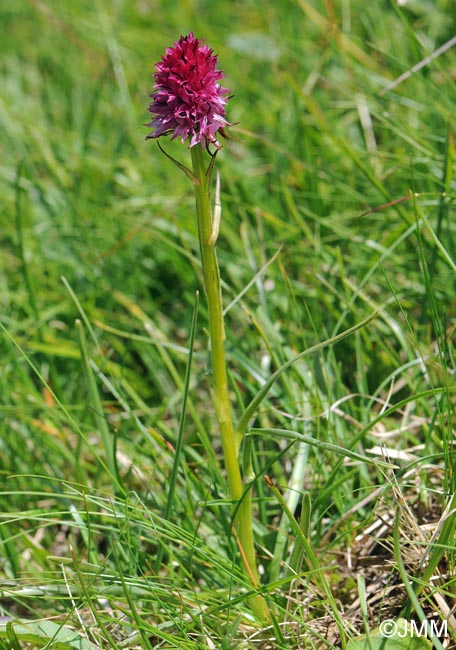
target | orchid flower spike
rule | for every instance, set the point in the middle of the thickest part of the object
(188, 102)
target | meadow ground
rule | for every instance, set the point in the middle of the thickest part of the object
(338, 204)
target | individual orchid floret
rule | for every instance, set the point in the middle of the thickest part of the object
(188, 102)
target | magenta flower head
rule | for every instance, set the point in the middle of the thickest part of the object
(188, 102)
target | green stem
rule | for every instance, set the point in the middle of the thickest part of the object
(220, 391)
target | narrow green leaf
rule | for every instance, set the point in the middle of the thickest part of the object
(408, 585)
(259, 397)
(320, 444)
(97, 409)
(180, 166)
(297, 554)
(312, 562)
(180, 433)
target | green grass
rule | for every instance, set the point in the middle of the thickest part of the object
(338, 203)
